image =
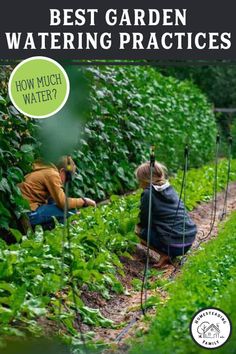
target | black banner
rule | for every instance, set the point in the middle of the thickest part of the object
(92, 30)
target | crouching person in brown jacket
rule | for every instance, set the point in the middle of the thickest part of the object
(43, 188)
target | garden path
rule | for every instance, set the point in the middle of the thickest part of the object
(125, 308)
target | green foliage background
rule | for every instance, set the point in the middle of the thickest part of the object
(131, 107)
(218, 82)
(17, 145)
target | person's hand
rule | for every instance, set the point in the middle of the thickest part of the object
(137, 229)
(89, 202)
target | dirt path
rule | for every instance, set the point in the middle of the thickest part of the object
(124, 310)
(202, 214)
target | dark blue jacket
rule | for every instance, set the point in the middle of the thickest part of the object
(168, 225)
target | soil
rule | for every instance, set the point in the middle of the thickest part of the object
(124, 310)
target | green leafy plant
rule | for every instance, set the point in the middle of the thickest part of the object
(200, 182)
(130, 108)
(17, 146)
(31, 282)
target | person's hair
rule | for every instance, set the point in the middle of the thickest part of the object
(64, 161)
(159, 176)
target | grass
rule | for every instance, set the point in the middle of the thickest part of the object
(200, 182)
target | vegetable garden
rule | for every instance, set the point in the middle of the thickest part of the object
(49, 280)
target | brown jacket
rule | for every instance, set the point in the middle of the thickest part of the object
(44, 182)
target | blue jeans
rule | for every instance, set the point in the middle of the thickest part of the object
(44, 214)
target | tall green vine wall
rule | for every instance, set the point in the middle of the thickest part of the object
(131, 107)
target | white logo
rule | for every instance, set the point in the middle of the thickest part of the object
(210, 328)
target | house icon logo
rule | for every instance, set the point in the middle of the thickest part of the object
(207, 330)
(210, 328)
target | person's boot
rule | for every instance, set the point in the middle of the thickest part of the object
(163, 262)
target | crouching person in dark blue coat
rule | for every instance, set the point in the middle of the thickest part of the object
(172, 230)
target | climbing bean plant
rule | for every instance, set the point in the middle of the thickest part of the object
(130, 107)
